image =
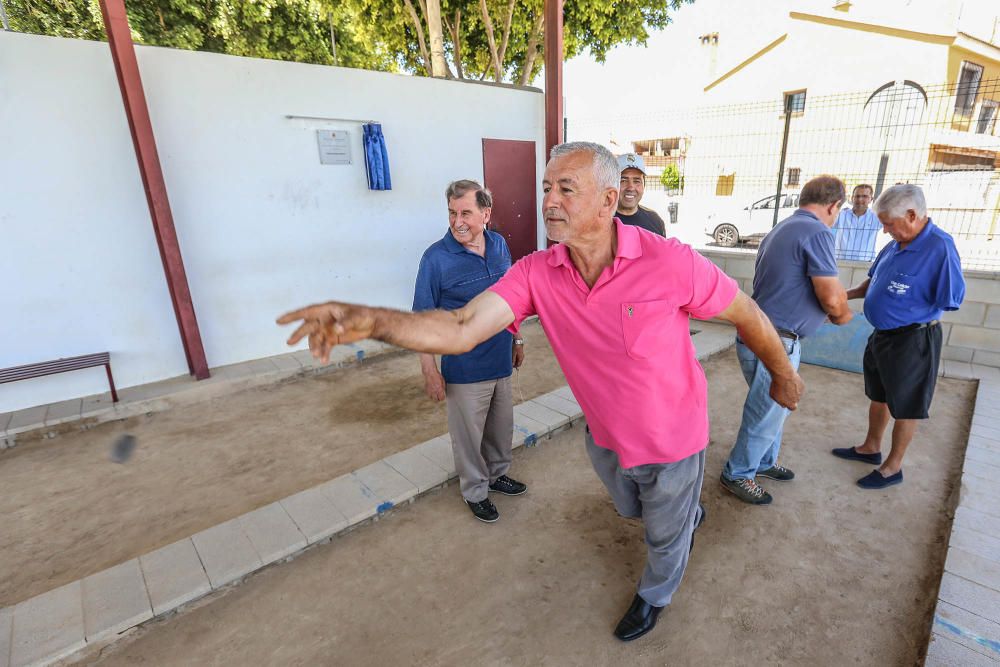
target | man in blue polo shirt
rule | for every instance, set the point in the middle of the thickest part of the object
(857, 227)
(797, 285)
(913, 281)
(467, 260)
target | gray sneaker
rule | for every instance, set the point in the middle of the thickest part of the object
(780, 473)
(746, 490)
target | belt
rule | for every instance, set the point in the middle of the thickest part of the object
(904, 329)
(785, 333)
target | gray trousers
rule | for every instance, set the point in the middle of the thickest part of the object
(665, 496)
(481, 424)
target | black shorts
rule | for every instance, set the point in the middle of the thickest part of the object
(901, 369)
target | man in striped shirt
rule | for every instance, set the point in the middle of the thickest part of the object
(857, 227)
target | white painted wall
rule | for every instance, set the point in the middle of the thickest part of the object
(262, 225)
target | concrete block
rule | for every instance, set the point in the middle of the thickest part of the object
(983, 443)
(943, 652)
(547, 416)
(967, 518)
(351, 498)
(314, 514)
(386, 483)
(5, 418)
(174, 575)
(974, 337)
(48, 627)
(95, 404)
(561, 405)
(990, 374)
(708, 343)
(976, 498)
(846, 274)
(986, 358)
(226, 552)
(305, 359)
(993, 316)
(739, 267)
(438, 450)
(949, 353)
(983, 408)
(287, 363)
(985, 488)
(986, 471)
(114, 601)
(272, 533)
(987, 421)
(232, 372)
(63, 411)
(973, 567)
(982, 431)
(263, 366)
(971, 631)
(27, 419)
(970, 312)
(6, 625)
(418, 469)
(976, 543)
(970, 596)
(566, 393)
(982, 289)
(977, 456)
(956, 369)
(527, 431)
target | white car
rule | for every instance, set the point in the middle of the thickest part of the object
(752, 222)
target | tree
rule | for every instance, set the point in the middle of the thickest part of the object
(671, 178)
(467, 39)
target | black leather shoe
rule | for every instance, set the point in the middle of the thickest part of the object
(638, 620)
(484, 510)
(508, 486)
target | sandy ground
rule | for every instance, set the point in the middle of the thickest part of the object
(828, 575)
(66, 511)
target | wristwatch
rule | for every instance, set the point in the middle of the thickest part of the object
(518, 341)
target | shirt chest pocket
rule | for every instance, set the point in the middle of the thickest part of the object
(901, 285)
(646, 326)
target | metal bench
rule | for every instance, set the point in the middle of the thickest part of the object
(43, 368)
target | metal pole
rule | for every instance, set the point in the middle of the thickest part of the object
(141, 128)
(784, 152)
(3, 17)
(553, 74)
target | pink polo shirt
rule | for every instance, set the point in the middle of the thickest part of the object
(625, 345)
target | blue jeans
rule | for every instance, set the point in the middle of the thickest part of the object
(759, 439)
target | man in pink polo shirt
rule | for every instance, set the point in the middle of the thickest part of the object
(614, 301)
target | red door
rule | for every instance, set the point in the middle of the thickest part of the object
(509, 172)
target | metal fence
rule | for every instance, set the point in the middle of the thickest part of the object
(723, 162)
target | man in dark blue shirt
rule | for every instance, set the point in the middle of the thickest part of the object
(913, 281)
(453, 271)
(796, 283)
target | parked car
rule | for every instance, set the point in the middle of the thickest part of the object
(752, 222)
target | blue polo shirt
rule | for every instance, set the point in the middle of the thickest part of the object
(856, 235)
(915, 284)
(450, 277)
(797, 249)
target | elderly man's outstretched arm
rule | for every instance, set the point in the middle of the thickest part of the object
(433, 331)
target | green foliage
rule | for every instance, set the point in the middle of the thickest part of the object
(671, 178)
(369, 34)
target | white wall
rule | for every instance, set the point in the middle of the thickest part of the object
(262, 225)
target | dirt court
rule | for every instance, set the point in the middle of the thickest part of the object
(66, 511)
(828, 575)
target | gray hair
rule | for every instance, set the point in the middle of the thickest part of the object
(458, 189)
(606, 170)
(899, 199)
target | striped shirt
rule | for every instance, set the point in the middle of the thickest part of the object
(856, 235)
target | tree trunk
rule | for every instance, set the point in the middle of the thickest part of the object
(456, 38)
(439, 68)
(532, 51)
(506, 30)
(420, 35)
(491, 40)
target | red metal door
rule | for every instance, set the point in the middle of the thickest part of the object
(509, 172)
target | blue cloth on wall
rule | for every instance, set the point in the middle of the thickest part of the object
(376, 157)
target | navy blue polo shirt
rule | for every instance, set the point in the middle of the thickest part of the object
(450, 277)
(917, 283)
(797, 249)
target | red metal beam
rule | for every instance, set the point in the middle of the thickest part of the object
(127, 69)
(553, 74)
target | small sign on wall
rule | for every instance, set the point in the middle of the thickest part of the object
(334, 146)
